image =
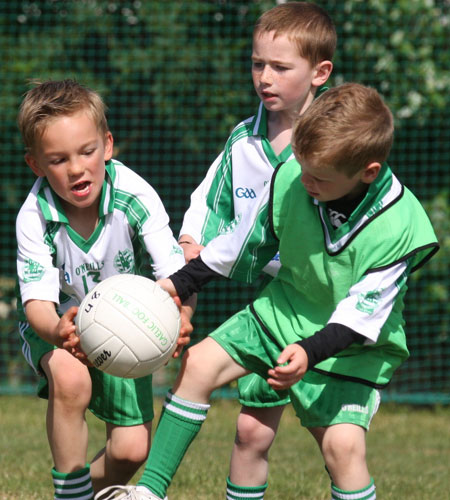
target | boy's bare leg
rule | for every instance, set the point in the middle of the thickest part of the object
(343, 447)
(69, 395)
(206, 366)
(256, 430)
(126, 450)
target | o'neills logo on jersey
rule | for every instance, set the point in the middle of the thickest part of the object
(242, 192)
(124, 261)
(89, 266)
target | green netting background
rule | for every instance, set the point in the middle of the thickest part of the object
(176, 78)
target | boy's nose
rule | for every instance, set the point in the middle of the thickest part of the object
(266, 75)
(75, 168)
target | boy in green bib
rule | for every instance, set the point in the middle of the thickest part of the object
(329, 326)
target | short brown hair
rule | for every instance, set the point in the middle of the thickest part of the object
(52, 99)
(347, 127)
(306, 24)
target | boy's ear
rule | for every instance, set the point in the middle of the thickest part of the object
(32, 163)
(109, 144)
(370, 173)
(322, 73)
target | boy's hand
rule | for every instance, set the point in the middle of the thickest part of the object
(69, 340)
(167, 285)
(190, 247)
(191, 251)
(285, 375)
(186, 328)
(186, 312)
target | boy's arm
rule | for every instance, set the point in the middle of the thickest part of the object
(239, 255)
(202, 207)
(245, 250)
(357, 319)
(156, 236)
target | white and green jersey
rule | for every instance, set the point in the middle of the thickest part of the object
(354, 275)
(234, 183)
(54, 263)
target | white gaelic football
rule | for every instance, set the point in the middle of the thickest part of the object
(128, 326)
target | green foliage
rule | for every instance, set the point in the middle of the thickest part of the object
(176, 78)
(401, 47)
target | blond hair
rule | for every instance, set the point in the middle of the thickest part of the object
(52, 99)
(306, 24)
(347, 128)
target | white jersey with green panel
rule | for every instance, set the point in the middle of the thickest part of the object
(354, 275)
(234, 183)
(56, 264)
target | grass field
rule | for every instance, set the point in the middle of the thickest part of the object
(408, 454)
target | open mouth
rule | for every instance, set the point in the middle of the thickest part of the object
(82, 188)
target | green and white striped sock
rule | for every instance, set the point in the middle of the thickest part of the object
(235, 492)
(179, 424)
(367, 493)
(74, 485)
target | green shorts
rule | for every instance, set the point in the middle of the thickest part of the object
(254, 391)
(115, 400)
(319, 400)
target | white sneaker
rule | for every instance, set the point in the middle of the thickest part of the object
(125, 493)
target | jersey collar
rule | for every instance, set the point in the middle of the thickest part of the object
(382, 193)
(259, 127)
(50, 203)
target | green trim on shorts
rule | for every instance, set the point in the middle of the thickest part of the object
(119, 401)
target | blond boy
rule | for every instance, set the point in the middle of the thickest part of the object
(86, 217)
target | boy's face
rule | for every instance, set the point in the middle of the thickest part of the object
(71, 153)
(328, 184)
(282, 78)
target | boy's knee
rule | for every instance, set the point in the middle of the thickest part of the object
(71, 387)
(195, 366)
(343, 448)
(252, 433)
(129, 453)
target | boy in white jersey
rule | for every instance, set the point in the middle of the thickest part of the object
(293, 45)
(329, 326)
(87, 217)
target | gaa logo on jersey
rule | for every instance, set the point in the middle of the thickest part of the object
(242, 192)
(124, 261)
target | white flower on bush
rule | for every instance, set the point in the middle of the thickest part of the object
(4, 310)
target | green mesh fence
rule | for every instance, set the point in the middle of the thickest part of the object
(176, 78)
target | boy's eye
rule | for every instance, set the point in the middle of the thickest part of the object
(57, 161)
(89, 152)
(257, 65)
(281, 68)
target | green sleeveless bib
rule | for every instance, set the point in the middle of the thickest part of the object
(320, 265)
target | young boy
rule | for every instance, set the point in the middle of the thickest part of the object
(293, 45)
(87, 217)
(329, 326)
